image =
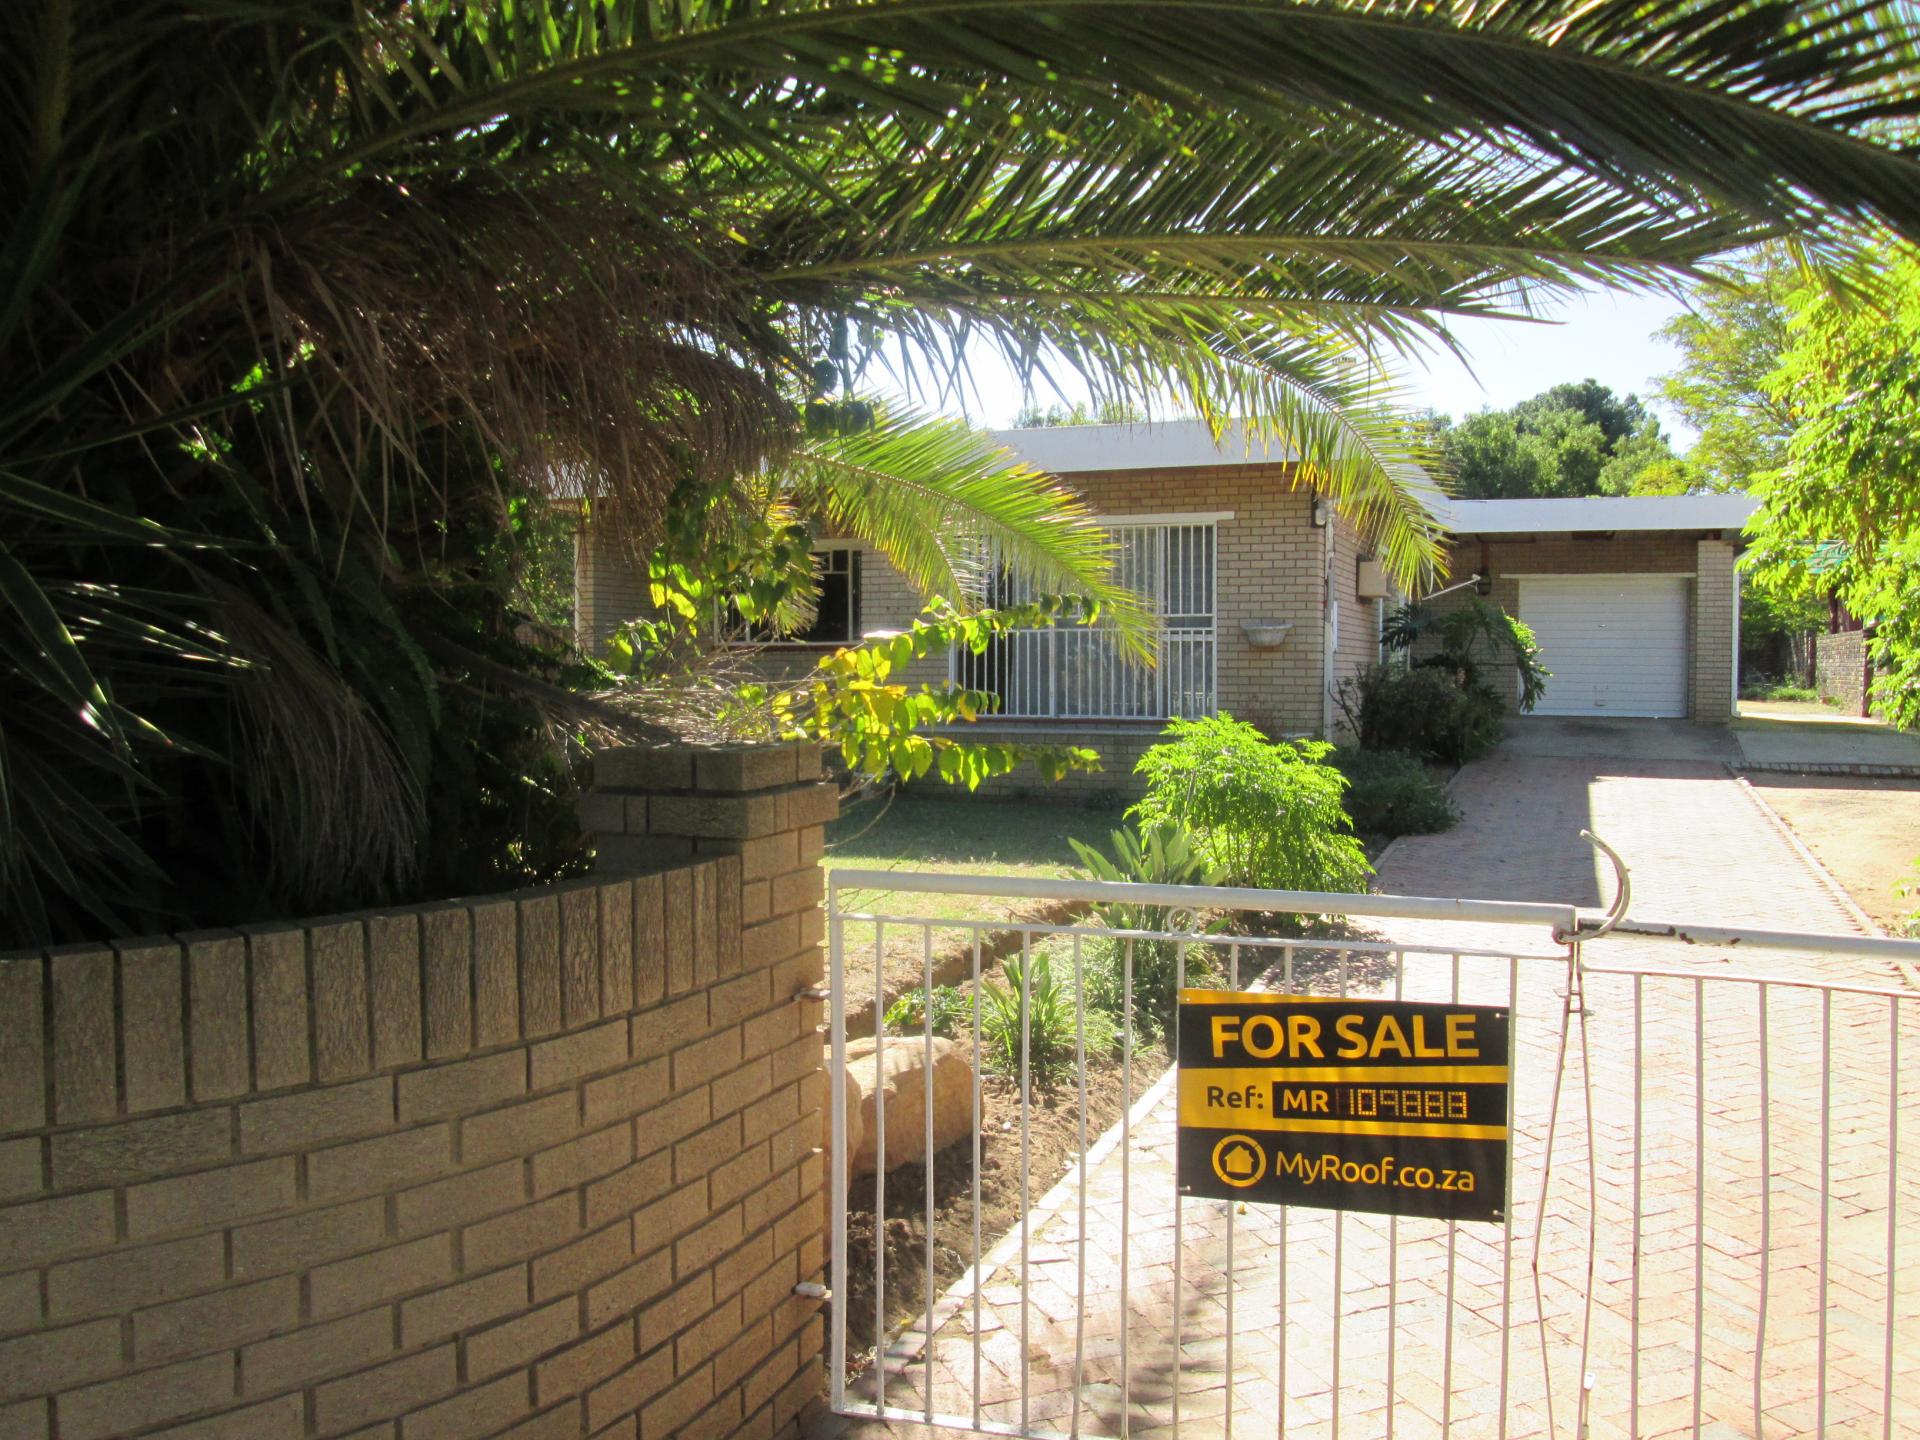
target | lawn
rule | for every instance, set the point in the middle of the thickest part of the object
(972, 835)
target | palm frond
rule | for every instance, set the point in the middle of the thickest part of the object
(293, 295)
(945, 504)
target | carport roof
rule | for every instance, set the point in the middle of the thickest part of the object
(1598, 513)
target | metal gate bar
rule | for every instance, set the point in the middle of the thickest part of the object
(1603, 1371)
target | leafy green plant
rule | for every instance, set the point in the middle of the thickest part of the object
(1423, 711)
(1039, 1006)
(1465, 637)
(952, 1012)
(1390, 793)
(882, 725)
(1262, 813)
(1762, 688)
(1159, 854)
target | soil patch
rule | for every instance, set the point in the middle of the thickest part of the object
(1864, 828)
(905, 956)
(1053, 1147)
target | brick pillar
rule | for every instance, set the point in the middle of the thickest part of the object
(1711, 689)
(768, 805)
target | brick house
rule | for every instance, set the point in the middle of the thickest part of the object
(1269, 597)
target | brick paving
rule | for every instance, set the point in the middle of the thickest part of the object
(1407, 1327)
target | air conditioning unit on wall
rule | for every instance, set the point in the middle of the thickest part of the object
(1372, 582)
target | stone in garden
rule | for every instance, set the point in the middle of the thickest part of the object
(905, 1059)
(856, 1118)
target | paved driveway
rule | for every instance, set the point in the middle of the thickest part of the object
(1413, 1329)
(1699, 846)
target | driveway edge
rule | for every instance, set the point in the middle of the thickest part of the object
(1826, 877)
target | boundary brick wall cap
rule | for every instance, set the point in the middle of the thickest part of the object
(726, 769)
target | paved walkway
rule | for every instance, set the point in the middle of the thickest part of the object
(1776, 737)
(1410, 1328)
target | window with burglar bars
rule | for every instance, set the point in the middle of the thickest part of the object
(1072, 671)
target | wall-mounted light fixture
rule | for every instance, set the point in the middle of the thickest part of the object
(1322, 512)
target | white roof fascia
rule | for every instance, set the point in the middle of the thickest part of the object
(1598, 513)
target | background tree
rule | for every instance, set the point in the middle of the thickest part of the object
(298, 300)
(1851, 468)
(1730, 341)
(1111, 412)
(1578, 438)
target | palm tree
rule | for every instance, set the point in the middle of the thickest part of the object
(295, 296)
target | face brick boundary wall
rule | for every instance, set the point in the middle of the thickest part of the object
(1841, 672)
(541, 1165)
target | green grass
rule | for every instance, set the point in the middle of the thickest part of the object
(1777, 691)
(966, 836)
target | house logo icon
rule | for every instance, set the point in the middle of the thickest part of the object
(1240, 1161)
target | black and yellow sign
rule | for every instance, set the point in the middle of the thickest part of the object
(1385, 1105)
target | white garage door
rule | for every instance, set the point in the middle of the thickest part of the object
(1616, 644)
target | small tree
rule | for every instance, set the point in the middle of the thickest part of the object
(1852, 372)
(1267, 814)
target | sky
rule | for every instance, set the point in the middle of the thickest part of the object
(1603, 335)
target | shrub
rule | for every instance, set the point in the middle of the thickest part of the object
(952, 1012)
(1390, 793)
(1463, 637)
(1053, 1020)
(1765, 688)
(1425, 711)
(1161, 854)
(1261, 813)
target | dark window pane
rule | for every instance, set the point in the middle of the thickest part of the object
(837, 620)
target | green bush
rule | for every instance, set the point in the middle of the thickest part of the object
(1261, 813)
(1161, 854)
(1463, 637)
(1052, 1029)
(1390, 793)
(1425, 711)
(1766, 688)
(952, 1012)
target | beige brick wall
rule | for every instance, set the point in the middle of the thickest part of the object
(537, 1164)
(1710, 672)
(1357, 643)
(1840, 671)
(609, 585)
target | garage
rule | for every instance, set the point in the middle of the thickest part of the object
(1616, 644)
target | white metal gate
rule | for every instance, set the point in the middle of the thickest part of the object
(1708, 1203)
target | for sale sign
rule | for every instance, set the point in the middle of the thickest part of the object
(1391, 1106)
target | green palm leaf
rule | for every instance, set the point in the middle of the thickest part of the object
(942, 503)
